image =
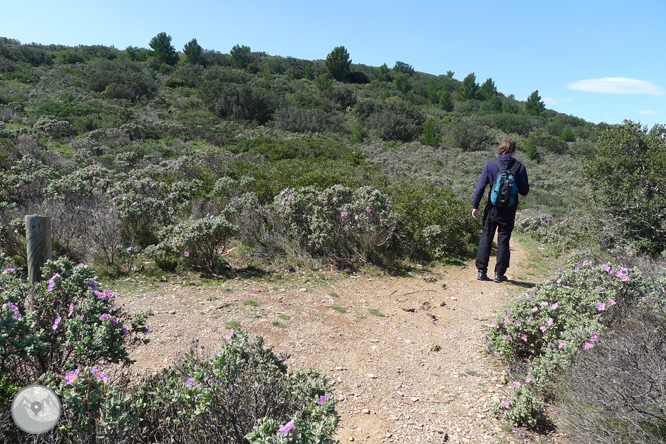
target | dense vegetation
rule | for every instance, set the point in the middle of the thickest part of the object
(158, 161)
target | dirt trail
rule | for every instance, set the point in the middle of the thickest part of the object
(406, 354)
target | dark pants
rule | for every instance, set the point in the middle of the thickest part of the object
(501, 220)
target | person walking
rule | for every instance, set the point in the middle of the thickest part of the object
(496, 218)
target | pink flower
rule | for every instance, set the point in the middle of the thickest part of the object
(523, 337)
(286, 428)
(534, 309)
(561, 346)
(187, 254)
(71, 310)
(601, 306)
(516, 384)
(549, 321)
(323, 399)
(611, 301)
(55, 324)
(231, 335)
(588, 346)
(543, 328)
(71, 376)
(100, 375)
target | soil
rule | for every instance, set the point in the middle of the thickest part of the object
(406, 354)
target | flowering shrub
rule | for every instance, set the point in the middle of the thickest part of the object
(347, 225)
(243, 392)
(546, 329)
(200, 243)
(73, 322)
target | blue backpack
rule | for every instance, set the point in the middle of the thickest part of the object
(505, 191)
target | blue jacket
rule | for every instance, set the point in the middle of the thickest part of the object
(489, 175)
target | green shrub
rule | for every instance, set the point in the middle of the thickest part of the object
(200, 242)
(626, 175)
(120, 79)
(397, 120)
(467, 135)
(348, 226)
(432, 221)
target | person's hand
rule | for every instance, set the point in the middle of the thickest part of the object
(475, 213)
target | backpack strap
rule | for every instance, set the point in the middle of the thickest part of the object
(514, 169)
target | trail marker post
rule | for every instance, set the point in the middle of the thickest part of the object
(38, 238)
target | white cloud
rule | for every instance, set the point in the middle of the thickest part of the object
(617, 85)
(551, 101)
(649, 113)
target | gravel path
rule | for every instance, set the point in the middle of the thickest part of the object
(406, 354)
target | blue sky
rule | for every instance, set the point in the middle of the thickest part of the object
(603, 61)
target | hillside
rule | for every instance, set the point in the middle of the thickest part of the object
(220, 126)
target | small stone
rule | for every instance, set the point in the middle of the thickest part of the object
(303, 290)
(351, 438)
(371, 376)
(366, 411)
(414, 399)
(453, 298)
(435, 348)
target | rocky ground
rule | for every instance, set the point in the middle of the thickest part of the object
(406, 354)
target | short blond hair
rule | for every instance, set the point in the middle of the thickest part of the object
(507, 147)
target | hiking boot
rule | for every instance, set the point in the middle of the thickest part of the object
(499, 277)
(482, 276)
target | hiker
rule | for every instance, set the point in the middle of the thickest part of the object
(499, 213)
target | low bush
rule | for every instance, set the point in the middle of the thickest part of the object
(198, 243)
(347, 226)
(549, 327)
(71, 322)
(244, 393)
(616, 392)
(433, 222)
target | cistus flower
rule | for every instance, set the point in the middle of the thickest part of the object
(52, 282)
(100, 375)
(191, 382)
(55, 323)
(323, 399)
(231, 335)
(286, 428)
(588, 346)
(71, 376)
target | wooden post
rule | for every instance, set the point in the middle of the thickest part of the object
(40, 249)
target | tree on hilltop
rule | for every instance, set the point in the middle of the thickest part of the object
(488, 90)
(163, 50)
(534, 104)
(469, 88)
(240, 56)
(193, 53)
(338, 63)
